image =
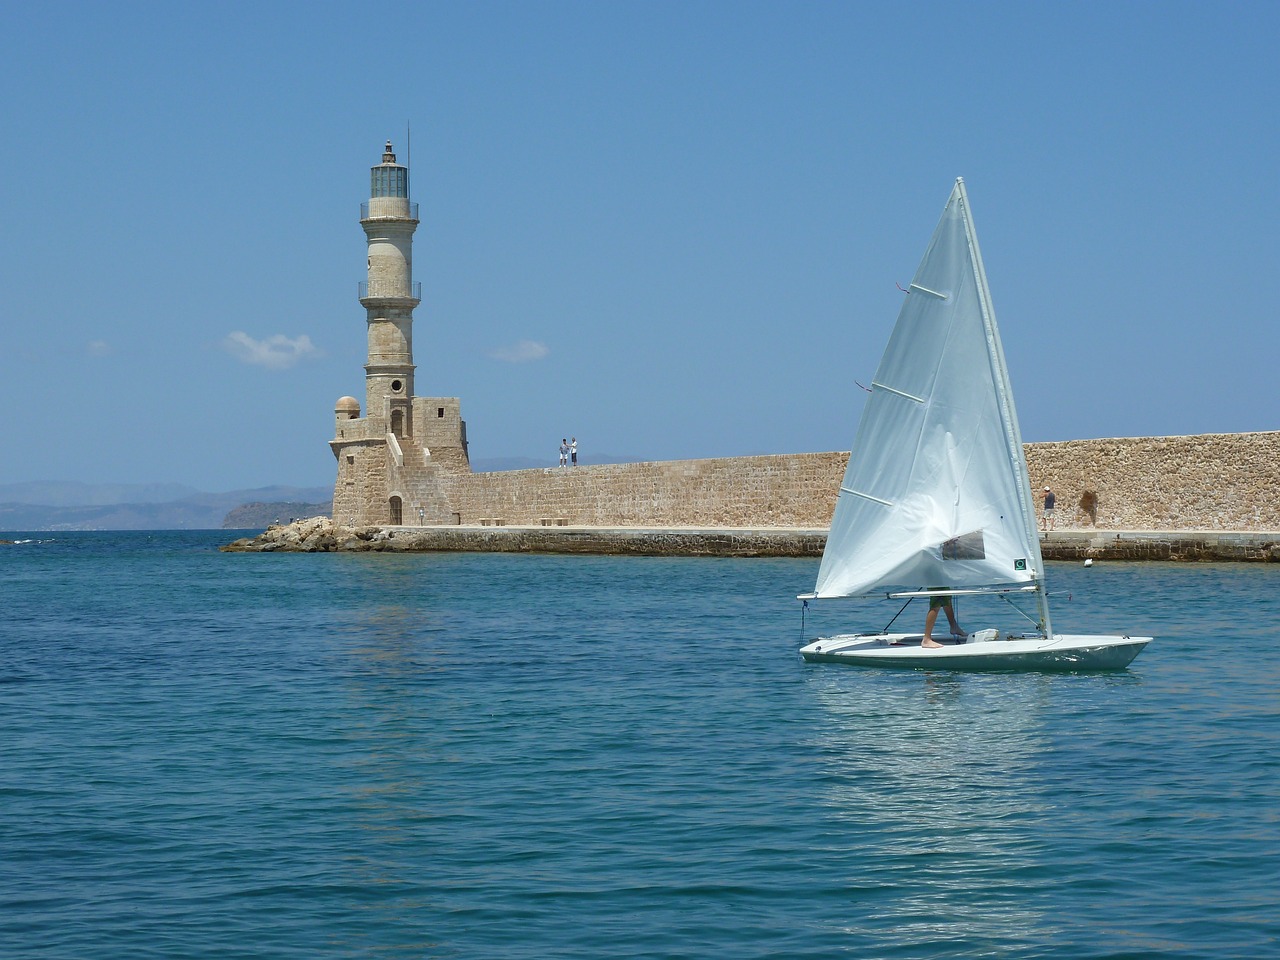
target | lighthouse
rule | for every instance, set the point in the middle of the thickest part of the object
(389, 295)
(393, 462)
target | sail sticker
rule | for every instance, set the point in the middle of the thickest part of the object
(1020, 564)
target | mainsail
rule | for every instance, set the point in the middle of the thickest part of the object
(936, 494)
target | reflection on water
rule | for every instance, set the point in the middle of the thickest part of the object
(389, 640)
(930, 773)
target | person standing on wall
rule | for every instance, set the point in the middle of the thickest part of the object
(564, 452)
(1046, 520)
(573, 451)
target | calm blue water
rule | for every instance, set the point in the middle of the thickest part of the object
(481, 756)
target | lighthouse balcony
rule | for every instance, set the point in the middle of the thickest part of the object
(390, 290)
(389, 208)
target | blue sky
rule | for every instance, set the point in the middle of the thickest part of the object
(671, 229)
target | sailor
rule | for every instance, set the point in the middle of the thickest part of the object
(936, 604)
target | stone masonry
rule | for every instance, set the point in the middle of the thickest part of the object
(1217, 481)
(1212, 482)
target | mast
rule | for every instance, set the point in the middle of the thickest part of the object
(1008, 413)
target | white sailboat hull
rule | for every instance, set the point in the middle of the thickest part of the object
(1064, 652)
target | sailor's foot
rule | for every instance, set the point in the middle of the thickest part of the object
(929, 644)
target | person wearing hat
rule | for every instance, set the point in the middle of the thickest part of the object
(1046, 519)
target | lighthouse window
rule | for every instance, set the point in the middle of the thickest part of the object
(396, 385)
(390, 182)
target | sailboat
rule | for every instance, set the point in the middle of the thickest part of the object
(936, 501)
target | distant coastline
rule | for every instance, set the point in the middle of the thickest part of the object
(80, 506)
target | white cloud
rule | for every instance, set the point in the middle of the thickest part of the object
(523, 351)
(275, 353)
(98, 348)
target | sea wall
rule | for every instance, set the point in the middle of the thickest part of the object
(771, 491)
(1206, 482)
(1219, 481)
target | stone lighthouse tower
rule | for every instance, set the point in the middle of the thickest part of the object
(390, 295)
(392, 462)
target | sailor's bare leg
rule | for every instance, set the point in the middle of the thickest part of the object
(929, 619)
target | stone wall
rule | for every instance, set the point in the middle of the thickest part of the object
(360, 492)
(1208, 482)
(772, 491)
(1218, 481)
(378, 467)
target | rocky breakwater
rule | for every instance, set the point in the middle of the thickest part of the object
(322, 535)
(315, 535)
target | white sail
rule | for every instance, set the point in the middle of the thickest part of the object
(936, 494)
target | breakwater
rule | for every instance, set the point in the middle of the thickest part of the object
(319, 534)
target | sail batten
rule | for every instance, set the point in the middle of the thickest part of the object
(866, 496)
(949, 466)
(897, 393)
(932, 293)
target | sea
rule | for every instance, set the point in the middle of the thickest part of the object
(206, 754)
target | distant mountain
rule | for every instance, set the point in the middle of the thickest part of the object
(259, 516)
(45, 506)
(70, 493)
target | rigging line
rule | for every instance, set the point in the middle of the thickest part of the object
(896, 616)
(1019, 610)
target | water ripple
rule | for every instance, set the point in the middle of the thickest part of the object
(480, 756)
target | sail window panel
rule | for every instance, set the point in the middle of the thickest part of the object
(968, 546)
